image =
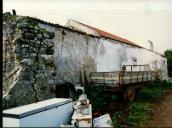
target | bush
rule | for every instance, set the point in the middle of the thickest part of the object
(99, 98)
(150, 93)
(155, 90)
(118, 118)
(139, 114)
(140, 107)
(168, 55)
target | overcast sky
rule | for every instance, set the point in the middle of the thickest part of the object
(135, 20)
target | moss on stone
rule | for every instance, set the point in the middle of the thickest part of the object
(8, 17)
(51, 65)
(31, 22)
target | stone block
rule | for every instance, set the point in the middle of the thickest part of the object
(26, 61)
(39, 36)
(27, 82)
(50, 44)
(22, 25)
(38, 42)
(51, 82)
(51, 35)
(46, 35)
(35, 31)
(50, 51)
(29, 36)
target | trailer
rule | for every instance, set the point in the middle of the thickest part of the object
(127, 81)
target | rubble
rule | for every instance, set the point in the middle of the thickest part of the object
(82, 115)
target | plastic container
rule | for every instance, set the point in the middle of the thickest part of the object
(103, 121)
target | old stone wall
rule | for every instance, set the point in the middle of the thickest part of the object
(28, 67)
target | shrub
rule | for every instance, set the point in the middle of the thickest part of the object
(118, 118)
(155, 90)
(139, 114)
(150, 93)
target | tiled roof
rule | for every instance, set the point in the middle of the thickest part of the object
(111, 36)
(114, 37)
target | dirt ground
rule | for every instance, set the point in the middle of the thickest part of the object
(162, 116)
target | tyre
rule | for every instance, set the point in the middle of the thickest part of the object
(129, 94)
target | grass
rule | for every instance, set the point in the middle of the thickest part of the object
(155, 90)
(136, 115)
(139, 112)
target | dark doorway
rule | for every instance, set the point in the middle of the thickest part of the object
(65, 90)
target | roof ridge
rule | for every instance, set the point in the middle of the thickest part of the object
(111, 36)
(114, 37)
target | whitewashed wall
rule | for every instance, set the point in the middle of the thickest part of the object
(75, 51)
(117, 54)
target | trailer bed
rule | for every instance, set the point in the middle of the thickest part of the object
(121, 78)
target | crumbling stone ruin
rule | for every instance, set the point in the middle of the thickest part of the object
(28, 67)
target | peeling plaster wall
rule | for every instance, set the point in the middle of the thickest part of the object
(118, 54)
(76, 51)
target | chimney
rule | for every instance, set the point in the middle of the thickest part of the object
(151, 45)
(14, 12)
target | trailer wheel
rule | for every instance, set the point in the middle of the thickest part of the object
(129, 94)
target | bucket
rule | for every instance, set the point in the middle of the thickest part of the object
(103, 121)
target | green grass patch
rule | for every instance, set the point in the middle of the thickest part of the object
(155, 90)
(150, 94)
(137, 115)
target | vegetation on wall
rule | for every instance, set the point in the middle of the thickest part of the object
(168, 55)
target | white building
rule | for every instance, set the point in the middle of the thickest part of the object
(112, 51)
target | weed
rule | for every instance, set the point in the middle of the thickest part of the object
(139, 114)
(118, 119)
(155, 90)
(150, 93)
